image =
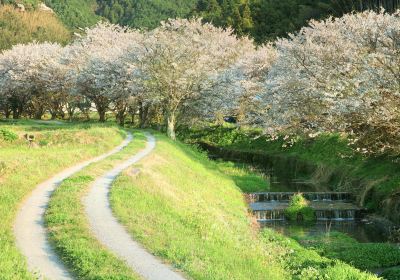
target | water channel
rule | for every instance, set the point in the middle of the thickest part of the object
(335, 211)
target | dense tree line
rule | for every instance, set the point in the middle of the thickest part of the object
(75, 13)
(157, 76)
(336, 75)
(263, 20)
(144, 14)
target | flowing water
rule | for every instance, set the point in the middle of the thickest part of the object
(334, 211)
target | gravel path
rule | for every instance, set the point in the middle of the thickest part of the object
(113, 235)
(29, 228)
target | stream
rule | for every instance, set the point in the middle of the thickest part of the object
(335, 211)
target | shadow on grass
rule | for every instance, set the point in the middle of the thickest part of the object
(246, 179)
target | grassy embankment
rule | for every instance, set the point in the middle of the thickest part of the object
(330, 163)
(69, 228)
(57, 146)
(335, 165)
(191, 212)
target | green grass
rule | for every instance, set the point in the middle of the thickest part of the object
(190, 211)
(246, 178)
(340, 246)
(307, 264)
(336, 164)
(22, 168)
(69, 228)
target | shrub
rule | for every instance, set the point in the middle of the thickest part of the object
(299, 209)
(360, 255)
(8, 135)
(391, 273)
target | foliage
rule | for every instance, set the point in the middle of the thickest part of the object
(391, 274)
(308, 264)
(75, 13)
(144, 14)
(299, 209)
(337, 245)
(17, 27)
(339, 75)
(8, 135)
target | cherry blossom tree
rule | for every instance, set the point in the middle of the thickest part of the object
(102, 72)
(181, 56)
(338, 75)
(23, 79)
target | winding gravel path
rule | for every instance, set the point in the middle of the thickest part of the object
(113, 235)
(29, 228)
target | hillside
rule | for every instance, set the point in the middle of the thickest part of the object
(144, 13)
(263, 20)
(75, 13)
(18, 27)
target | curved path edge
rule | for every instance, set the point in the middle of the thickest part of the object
(29, 228)
(113, 235)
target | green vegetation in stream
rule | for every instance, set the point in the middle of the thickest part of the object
(69, 229)
(391, 273)
(190, 211)
(299, 209)
(336, 245)
(56, 147)
(307, 264)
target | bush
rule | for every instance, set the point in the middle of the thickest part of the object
(299, 210)
(391, 273)
(307, 264)
(361, 255)
(8, 135)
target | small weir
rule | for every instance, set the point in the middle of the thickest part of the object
(338, 206)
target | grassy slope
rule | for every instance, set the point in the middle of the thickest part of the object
(69, 229)
(327, 150)
(22, 168)
(189, 211)
(21, 28)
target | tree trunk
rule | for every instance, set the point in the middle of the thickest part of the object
(171, 121)
(70, 113)
(53, 115)
(132, 118)
(101, 106)
(7, 113)
(38, 115)
(102, 115)
(15, 113)
(121, 120)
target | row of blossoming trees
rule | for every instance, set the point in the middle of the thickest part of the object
(165, 74)
(337, 75)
